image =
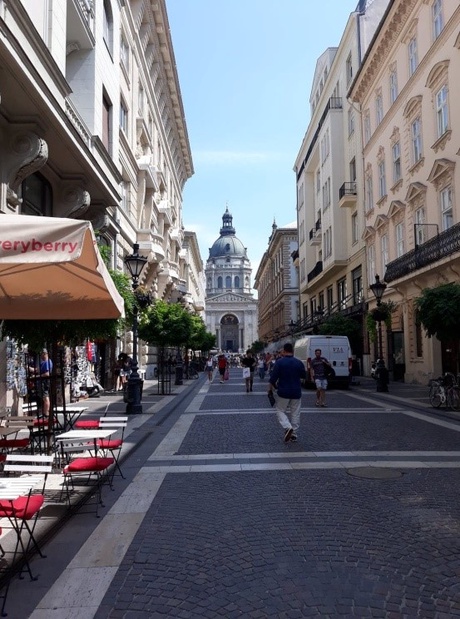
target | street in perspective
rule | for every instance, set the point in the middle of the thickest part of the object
(218, 517)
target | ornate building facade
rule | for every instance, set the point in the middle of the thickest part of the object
(277, 284)
(92, 127)
(231, 310)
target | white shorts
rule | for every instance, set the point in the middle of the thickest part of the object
(321, 383)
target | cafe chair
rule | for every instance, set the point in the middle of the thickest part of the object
(20, 425)
(113, 445)
(82, 469)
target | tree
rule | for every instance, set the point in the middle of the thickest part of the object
(439, 311)
(200, 338)
(166, 324)
(258, 346)
(341, 325)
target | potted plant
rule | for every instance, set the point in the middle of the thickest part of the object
(142, 296)
(381, 313)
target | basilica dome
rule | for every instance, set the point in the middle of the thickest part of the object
(227, 245)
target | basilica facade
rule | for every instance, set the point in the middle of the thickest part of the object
(231, 310)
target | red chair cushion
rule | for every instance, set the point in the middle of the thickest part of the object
(23, 508)
(89, 424)
(14, 442)
(93, 464)
(107, 443)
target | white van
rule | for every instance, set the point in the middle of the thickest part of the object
(336, 349)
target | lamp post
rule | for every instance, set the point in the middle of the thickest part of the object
(134, 264)
(381, 372)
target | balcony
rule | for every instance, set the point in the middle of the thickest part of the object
(80, 25)
(347, 195)
(315, 234)
(441, 246)
(315, 271)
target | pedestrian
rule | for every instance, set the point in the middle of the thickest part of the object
(43, 380)
(209, 367)
(248, 362)
(285, 379)
(221, 366)
(261, 367)
(318, 376)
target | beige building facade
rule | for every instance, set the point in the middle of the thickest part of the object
(277, 284)
(407, 92)
(329, 174)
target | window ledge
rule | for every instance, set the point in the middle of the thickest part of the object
(396, 186)
(417, 165)
(382, 200)
(441, 142)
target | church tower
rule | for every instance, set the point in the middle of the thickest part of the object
(231, 311)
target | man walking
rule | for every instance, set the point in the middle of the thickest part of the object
(318, 375)
(286, 378)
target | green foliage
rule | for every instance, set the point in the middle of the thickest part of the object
(258, 346)
(439, 311)
(384, 312)
(341, 325)
(209, 342)
(166, 324)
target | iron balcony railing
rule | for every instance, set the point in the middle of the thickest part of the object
(444, 244)
(347, 189)
(315, 271)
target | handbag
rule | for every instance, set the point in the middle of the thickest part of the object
(329, 371)
(226, 374)
(246, 373)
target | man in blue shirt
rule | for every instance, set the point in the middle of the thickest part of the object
(286, 377)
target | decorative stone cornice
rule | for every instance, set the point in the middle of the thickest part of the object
(378, 54)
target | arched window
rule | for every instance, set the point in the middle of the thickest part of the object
(37, 196)
(219, 282)
(209, 282)
(228, 282)
(237, 282)
(108, 26)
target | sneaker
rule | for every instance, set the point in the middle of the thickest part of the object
(317, 403)
(324, 405)
(287, 435)
(293, 438)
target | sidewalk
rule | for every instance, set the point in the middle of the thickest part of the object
(56, 512)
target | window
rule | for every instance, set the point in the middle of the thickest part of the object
(416, 137)
(124, 191)
(330, 298)
(302, 270)
(37, 196)
(357, 279)
(228, 282)
(382, 180)
(123, 117)
(349, 69)
(328, 243)
(107, 25)
(442, 114)
(352, 170)
(367, 127)
(219, 282)
(420, 231)
(371, 263)
(438, 19)
(399, 232)
(342, 293)
(140, 100)
(354, 228)
(384, 250)
(318, 181)
(378, 109)
(396, 152)
(369, 196)
(124, 53)
(106, 123)
(351, 121)
(446, 208)
(237, 282)
(325, 146)
(393, 86)
(327, 194)
(413, 56)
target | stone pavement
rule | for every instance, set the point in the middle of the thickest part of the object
(219, 518)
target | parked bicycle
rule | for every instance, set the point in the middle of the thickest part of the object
(445, 390)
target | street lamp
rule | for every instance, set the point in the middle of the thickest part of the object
(381, 373)
(134, 264)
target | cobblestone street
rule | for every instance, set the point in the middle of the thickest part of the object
(359, 518)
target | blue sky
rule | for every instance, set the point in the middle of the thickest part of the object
(245, 70)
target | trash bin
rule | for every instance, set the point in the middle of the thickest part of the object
(179, 374)
(129, 391)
